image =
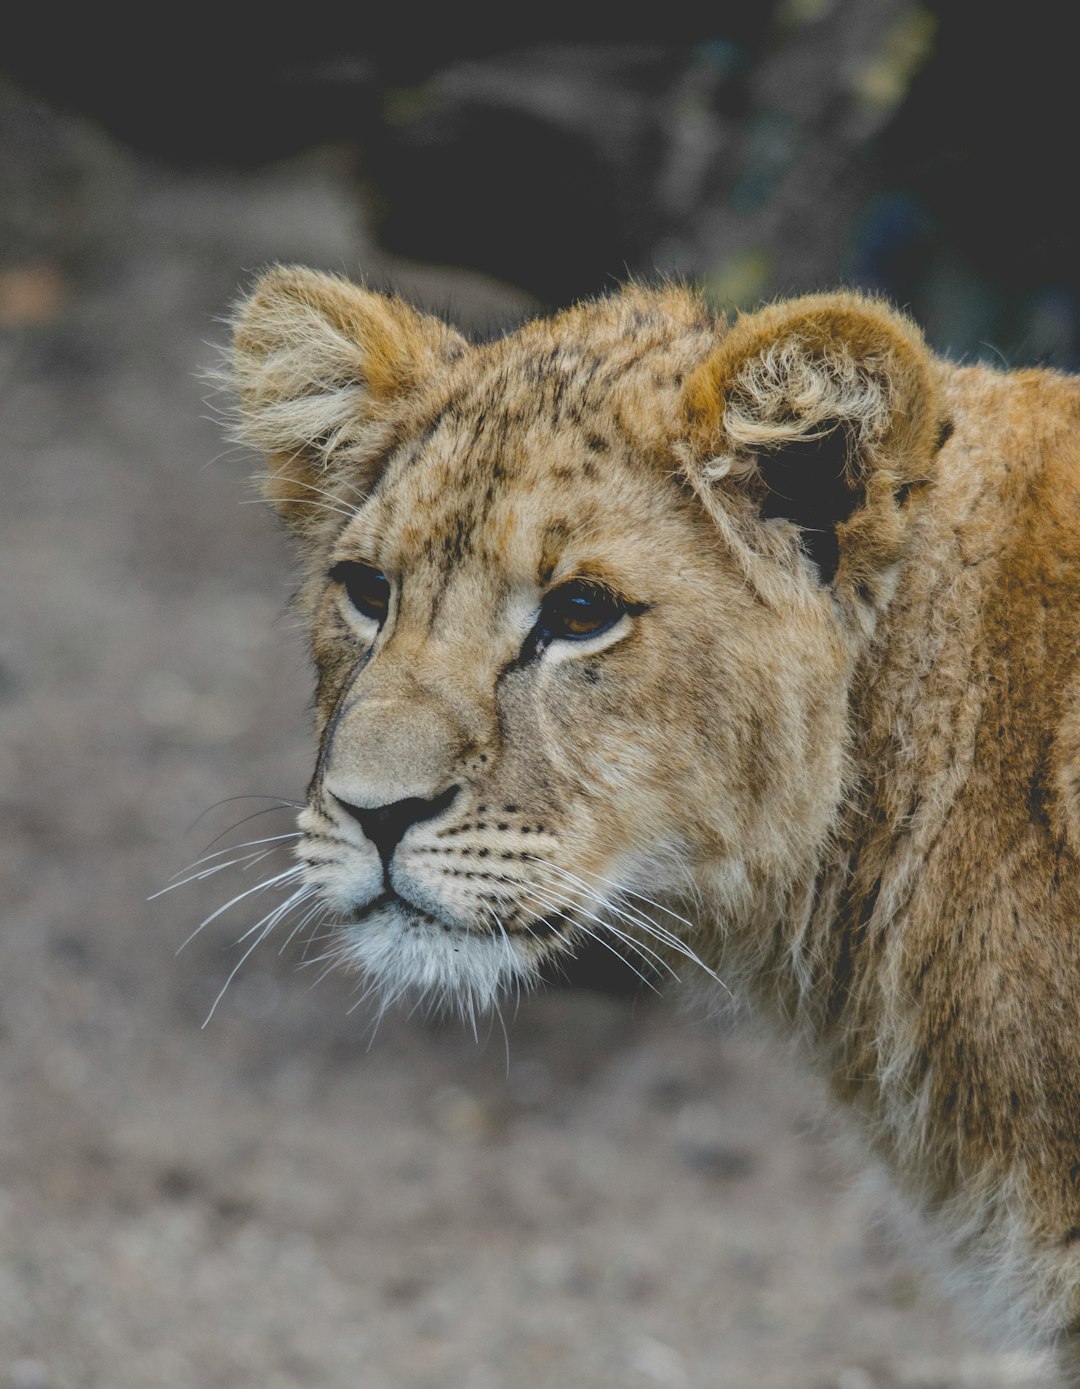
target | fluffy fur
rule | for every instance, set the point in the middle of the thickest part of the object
(829, 751)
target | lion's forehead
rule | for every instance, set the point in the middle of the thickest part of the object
(534, 403)
(518, 507)
(539, 459)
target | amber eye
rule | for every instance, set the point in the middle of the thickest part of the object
(579, 610)
(368, 588)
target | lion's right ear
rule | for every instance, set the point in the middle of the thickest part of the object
(317, 364)
(823, 412)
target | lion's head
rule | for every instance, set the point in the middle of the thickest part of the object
(584, 605)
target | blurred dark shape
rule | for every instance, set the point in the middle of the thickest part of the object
(538, 166)
(537, 162)
(981, 155)
(236, 94)
(917, 149)
(198, 98)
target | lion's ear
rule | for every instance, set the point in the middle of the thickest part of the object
(822, 411)
(316, 363)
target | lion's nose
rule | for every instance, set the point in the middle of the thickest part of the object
(385, 825)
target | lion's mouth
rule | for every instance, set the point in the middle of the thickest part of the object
(390, 897)
(385, 898)
(541, 929)
(410, 912)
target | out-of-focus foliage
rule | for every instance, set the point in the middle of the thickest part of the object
(917, 147)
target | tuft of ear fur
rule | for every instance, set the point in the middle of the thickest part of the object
(317, 363)
(824, 411)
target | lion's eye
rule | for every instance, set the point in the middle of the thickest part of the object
(368, 588)
(580, 609)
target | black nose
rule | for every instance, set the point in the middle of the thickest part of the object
(385, 825)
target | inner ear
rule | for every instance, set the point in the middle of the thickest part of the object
(809, 482)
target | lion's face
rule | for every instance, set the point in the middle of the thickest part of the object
(562, 691)
(524, 692)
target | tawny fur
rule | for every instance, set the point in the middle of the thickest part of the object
(832, 758)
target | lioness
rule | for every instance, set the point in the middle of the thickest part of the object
(752, 643)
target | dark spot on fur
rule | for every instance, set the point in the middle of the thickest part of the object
(855, 910)
(555, 537)
(945, 433)
(597, 444)
(478, 427)
(428, 431)
(1039, 792)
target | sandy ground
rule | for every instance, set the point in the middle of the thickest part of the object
(613, 1194)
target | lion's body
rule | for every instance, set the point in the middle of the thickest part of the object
(949, 927)
(813, 719)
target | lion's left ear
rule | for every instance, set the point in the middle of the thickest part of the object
(823, 411)
(315, 365)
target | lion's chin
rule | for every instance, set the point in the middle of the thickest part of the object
(402, 952)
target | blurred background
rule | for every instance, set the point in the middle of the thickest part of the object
(600, 1189)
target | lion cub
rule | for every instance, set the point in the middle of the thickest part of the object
(755, 644)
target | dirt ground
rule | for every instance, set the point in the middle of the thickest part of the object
(614, 1193)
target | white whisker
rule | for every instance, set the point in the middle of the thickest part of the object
(586, 931)
(301, 501)
(293, 872)
(231, 848)
(645, 923)
(624, 891)
(309, 915)
(302, 894)
(270, 920)
(643, 951)
(323, 492)
(248, 860)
